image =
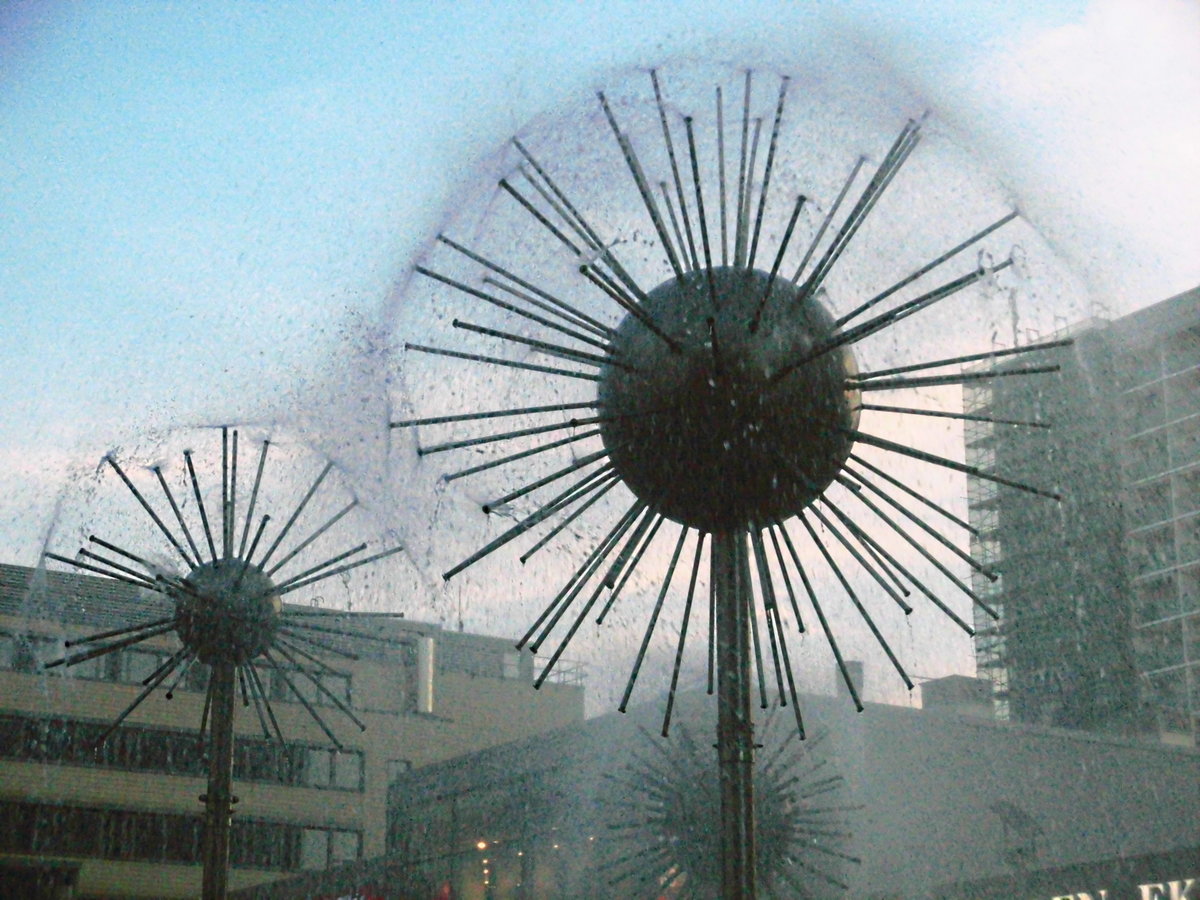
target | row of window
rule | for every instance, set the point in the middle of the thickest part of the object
(122, 834)
(28, 653)
(171, 752)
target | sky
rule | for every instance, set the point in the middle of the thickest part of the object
(205, 205)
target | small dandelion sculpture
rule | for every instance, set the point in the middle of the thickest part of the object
(228, 614)
(665, 803)
(717, 394)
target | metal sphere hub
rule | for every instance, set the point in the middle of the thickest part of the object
(708, 436)
(229, 611)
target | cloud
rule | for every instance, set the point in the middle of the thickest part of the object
(1101, 121)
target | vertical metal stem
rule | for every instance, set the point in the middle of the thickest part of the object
(218, 802)
(735, 728)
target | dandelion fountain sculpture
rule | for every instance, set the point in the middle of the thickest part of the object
(227, 612)
(687, 371)
(663, 801)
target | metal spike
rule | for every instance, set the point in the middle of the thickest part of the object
(512, 308)
(570, 590)
(262, 461)
(507, 187)
(554, 350)
(937, 564)
(783, 245)
(708, 263)
(567, 497)
(337, 701)
(870, 570)
(858, 164)
(683, 210)
(256, 683)
(904, 450)
(117, 632)
(924, 526)
(549, 298)
(632, 565)
(964, 417)
(523, 454)
(181, 674)
(767, 588)
(924, 270)
(337, 517)
(115, 576)
(683, 630)
(212, 548)
(891, 384)
(812, 598)
(258, 707)
(494, 414)
(150, 511)
(292, 633)
(175, 509)
(602, 487)
(295, 515)
(292, 586)
(76, 658)
(639, 179)
(862, 610)
(497, 361)
(787, 581)
(279, 670)
(739, 233)
(662, 596)
(155, 680)
(762, 194)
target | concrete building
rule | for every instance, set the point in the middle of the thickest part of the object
(1099, 595)
(901, 804)
(123, 819)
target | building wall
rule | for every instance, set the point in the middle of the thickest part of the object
(141, 788)
(1099, 594)
(933, 805)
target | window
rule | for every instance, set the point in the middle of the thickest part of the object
(348, 771)
(398, 768)
(314, 848)
(135, 666)
(344, 845)
(172, 752)
(317, 767)
(98, 833)
(320, 847)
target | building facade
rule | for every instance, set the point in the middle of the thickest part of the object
(1099, 595)
(121, 817)
(895, 803)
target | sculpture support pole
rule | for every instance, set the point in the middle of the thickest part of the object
(735, 727)
(218, 802)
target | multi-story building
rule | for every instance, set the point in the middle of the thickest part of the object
(1100, 594)
(893, 804)
(121, 818)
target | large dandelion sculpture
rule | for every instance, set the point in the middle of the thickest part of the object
(225, 606)
(692, 371)
(664, 801)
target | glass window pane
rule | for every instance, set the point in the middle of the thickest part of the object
(316, 767)
(347, 770)
(345, 845)
(314, 848)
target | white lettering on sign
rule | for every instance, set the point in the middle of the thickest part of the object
(1185, 889)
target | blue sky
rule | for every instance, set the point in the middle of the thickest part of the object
(199, 197)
